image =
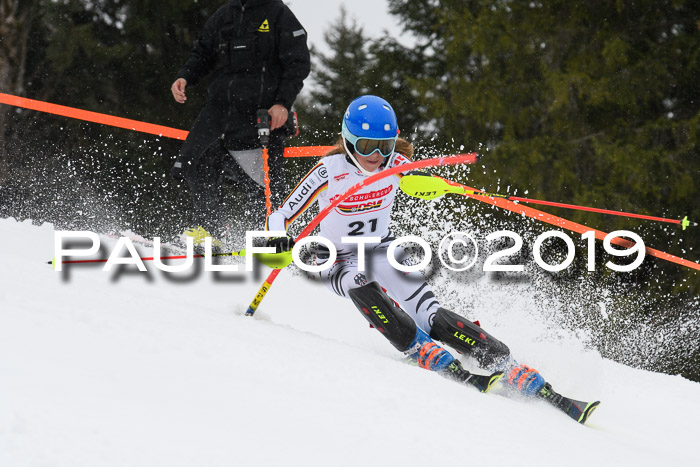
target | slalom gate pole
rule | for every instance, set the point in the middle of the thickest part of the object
(501, 202)
(435, 187)
(434, 162)
(684, 223)
(134, 125)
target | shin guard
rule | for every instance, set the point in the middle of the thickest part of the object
(467, 337)
(384, 315)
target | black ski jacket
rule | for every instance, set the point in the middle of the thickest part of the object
(258, 53)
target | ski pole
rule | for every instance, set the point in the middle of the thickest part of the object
(427, 187)
(438, 161)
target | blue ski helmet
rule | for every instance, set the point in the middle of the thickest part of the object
(370, 126)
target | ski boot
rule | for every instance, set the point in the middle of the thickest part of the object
(527, 381)
(431, 356)
(524, 379)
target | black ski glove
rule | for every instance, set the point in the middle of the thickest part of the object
(281, 243)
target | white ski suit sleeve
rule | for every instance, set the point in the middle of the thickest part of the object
(303, 195)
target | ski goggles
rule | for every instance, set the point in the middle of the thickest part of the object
(368, 146)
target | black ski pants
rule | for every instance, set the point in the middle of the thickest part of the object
(207, 167)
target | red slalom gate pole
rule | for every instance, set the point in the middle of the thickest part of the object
(684, 223)
(431, 188)
(134, 125)
(501, 202)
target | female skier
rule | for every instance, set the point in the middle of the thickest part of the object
(412, 319)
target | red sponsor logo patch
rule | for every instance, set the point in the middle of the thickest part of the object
(371, 195)
(360, 207)
(364, 201)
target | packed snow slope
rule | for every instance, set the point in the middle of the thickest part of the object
(155, 369)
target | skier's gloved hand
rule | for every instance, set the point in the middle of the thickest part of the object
(281, 243)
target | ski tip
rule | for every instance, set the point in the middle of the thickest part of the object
(590, 408)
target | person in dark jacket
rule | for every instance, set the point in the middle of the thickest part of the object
(258, 54)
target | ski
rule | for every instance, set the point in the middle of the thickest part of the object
(577, 410)
(456, 372)
(483, 383)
